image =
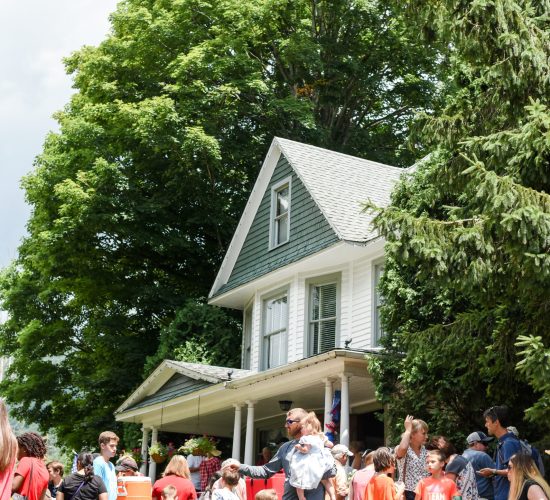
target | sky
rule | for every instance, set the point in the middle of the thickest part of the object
(34, 37)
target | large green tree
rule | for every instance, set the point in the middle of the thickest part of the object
(467, 277)
(135, 199)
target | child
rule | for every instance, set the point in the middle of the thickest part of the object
(266, 495)
(311, 460)
(230, 480)
(437, 486)
(169, 493)
(381, 486)
(102, 464)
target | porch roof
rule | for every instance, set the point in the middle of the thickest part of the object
(209, 407)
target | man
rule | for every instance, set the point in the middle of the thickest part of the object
(102, 464)
(282, 460)
(55, 469)
(496, 421)
(341, 454)
(476, 454)
(194, 462)
(126, 467)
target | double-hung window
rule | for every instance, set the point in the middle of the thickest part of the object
(275, 331)
(378, 301)
(323, 317)
(280, 214)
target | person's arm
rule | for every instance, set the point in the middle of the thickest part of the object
(17, 483)
(341, 483)
(403, 446)
(103, 496)
(263, 471)
(535, 492)
(59, 495)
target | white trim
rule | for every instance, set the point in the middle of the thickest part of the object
(374, 337)
(272, 295)
(279, 186)
(248, 307)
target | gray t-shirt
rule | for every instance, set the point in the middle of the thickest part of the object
(281, 460)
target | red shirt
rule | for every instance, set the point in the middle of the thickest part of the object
(40, 477)
(431, 488)
(6, 479)
(186, 490)
(207, 468)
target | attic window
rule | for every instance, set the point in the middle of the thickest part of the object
(279, 231)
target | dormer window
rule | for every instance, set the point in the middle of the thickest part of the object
(279, 232)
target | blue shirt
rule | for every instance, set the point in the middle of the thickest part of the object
(281, 460)
(508, 445)
(106, 471)
(480, 460)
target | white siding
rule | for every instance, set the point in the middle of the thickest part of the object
(355, 318)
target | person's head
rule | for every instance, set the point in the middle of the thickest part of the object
(293, 422)
(55, 469)
(266, 495)
(230, 477)
(85, 463)
(384, 460)
(267, 454)
(478, 441)
(419, 432)
(31, 444)
(126, 466)
(178, 467)
(169, 492)
(496, 420)
(443, 444)
(8, 443)
(228, 462)
(107, 444)
(340, 453)
(522, 467)
(435, 461)
(367, 458)
(310, 424)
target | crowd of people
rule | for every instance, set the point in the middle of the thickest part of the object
(418, 468)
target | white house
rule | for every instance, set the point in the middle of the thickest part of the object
(303, 266)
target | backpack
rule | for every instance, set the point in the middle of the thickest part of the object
(533, 453)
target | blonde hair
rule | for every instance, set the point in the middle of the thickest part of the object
(524, 468)
(8, 442)
(178, 467)
(169, 491)
(310, 424)
(418, 425)
(266, 495)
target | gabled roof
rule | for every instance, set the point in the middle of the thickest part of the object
(338, 183)
(203, 375)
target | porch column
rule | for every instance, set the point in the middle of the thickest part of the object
(249, 442)
(152, 463)
(236, 452)
(328, 400)
(344, 411)
(144, 446)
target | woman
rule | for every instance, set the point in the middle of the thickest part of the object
(457, 468)
(411, 455)
(31, 476)
(83, 484)
(8, 453)
(526, 483)
(177, 474)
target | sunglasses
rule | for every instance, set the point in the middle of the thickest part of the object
(292, 421)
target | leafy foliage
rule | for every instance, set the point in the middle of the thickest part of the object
(136, 198)
(467, 281)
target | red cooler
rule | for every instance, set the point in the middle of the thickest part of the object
(276, 482)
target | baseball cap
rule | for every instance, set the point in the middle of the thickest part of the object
(126, 463)
(478, 436)
(341, 449)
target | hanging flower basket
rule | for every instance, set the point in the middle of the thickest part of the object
(198, 446)
(158, 452)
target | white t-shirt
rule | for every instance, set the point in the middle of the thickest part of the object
(194, 461)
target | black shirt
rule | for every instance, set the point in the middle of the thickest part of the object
(89, 491)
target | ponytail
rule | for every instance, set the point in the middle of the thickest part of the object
(86, 461)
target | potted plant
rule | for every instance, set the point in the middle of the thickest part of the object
(158, 452)
(198, 446)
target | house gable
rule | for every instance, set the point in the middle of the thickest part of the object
(309, 232)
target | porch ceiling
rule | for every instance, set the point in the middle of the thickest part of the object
(211, 410)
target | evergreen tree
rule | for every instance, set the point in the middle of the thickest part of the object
(467, 283)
